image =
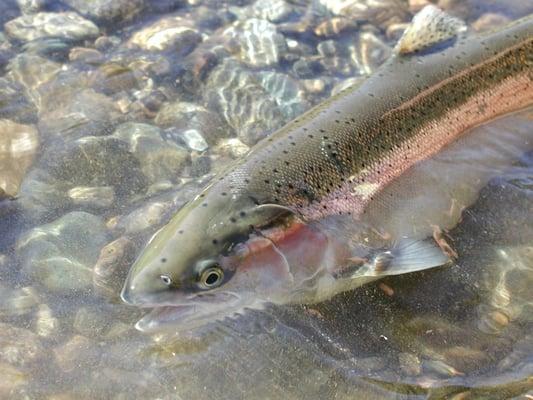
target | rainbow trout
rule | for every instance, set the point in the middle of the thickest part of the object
(309, 212)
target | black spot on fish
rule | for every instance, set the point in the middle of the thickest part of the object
(214, 241)
(163, 260)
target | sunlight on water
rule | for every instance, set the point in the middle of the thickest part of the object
(114, 113)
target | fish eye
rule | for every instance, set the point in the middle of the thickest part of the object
(167, 280)
(211, 277)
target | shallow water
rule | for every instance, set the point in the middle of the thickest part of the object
(113, 124)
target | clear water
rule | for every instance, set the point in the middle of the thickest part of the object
(462, 332)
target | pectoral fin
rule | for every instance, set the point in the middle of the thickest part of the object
(406, 255)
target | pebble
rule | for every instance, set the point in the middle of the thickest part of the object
(112, 265)
(489, 21)
(181, 116)
(19, 347)
(255, 42)
(86, 56)
(409, 364)
(232, 148)
(31, 6)
(174, 34)
(92, 197)
(60, 255)
(159, 159)
(66, 25)
(17, 301)
(46, 323)
(69, 354)
(90, 323)
(12, 378)
(144, 218)
(18, 147)
(272, 10)
(194, 140)
(107, 10)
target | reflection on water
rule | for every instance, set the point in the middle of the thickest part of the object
(135, 105)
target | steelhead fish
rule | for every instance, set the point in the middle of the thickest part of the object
(308, 212)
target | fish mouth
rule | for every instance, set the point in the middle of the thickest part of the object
(194, 313)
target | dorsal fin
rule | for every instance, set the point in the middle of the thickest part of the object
(429, 26)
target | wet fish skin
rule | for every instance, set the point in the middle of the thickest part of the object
(333, 160)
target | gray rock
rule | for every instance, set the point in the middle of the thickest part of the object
(46, 323)
(107, 10)
(78, 351)
(14, 104)
(247, 106)
(369, 53)
(256, 42)
(232, 148)
(92, 197)
(159, 159)
(194, 140)
(90, 323)
(272, 10)
(33, 72)
(66, 25)
(76, 114)
(17, 301)
(19, 347)
(112, 266)
(183, 115)
(174, 34)
(18, 146)
(60, 255)
(31, 6)
(377, 12)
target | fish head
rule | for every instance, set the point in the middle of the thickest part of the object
(218, 255)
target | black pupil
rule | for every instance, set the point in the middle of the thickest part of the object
(212, 278)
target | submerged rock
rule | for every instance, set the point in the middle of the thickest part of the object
(253, 104)
(183, 115)
(107, 10)
(256, 42)
(60, 255)
(159, 159)
(18, 146)
(67, 25)
(19, 347)
(112, 266)
(77, 114)
(174, 34)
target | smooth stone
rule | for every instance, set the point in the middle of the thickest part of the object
(19, 347)
(112, 266)
(255, 42)
(159, 159)
(174, 34)
(272, 10)
(46, 323)
(17, 301)
(94, 161)
(237, 94)
(14, 105)
(86, 56)
(90, 323)
(12, 379)
(33, 72)
(232, 148)
(79, 350)
(92, 196)
(144, 218)
(60, 255)
(67, 25)
(31, 6)
(376, 12)
(183, 115)
(194, 140)
(107, 10)
(79, 114)
(18, 146)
